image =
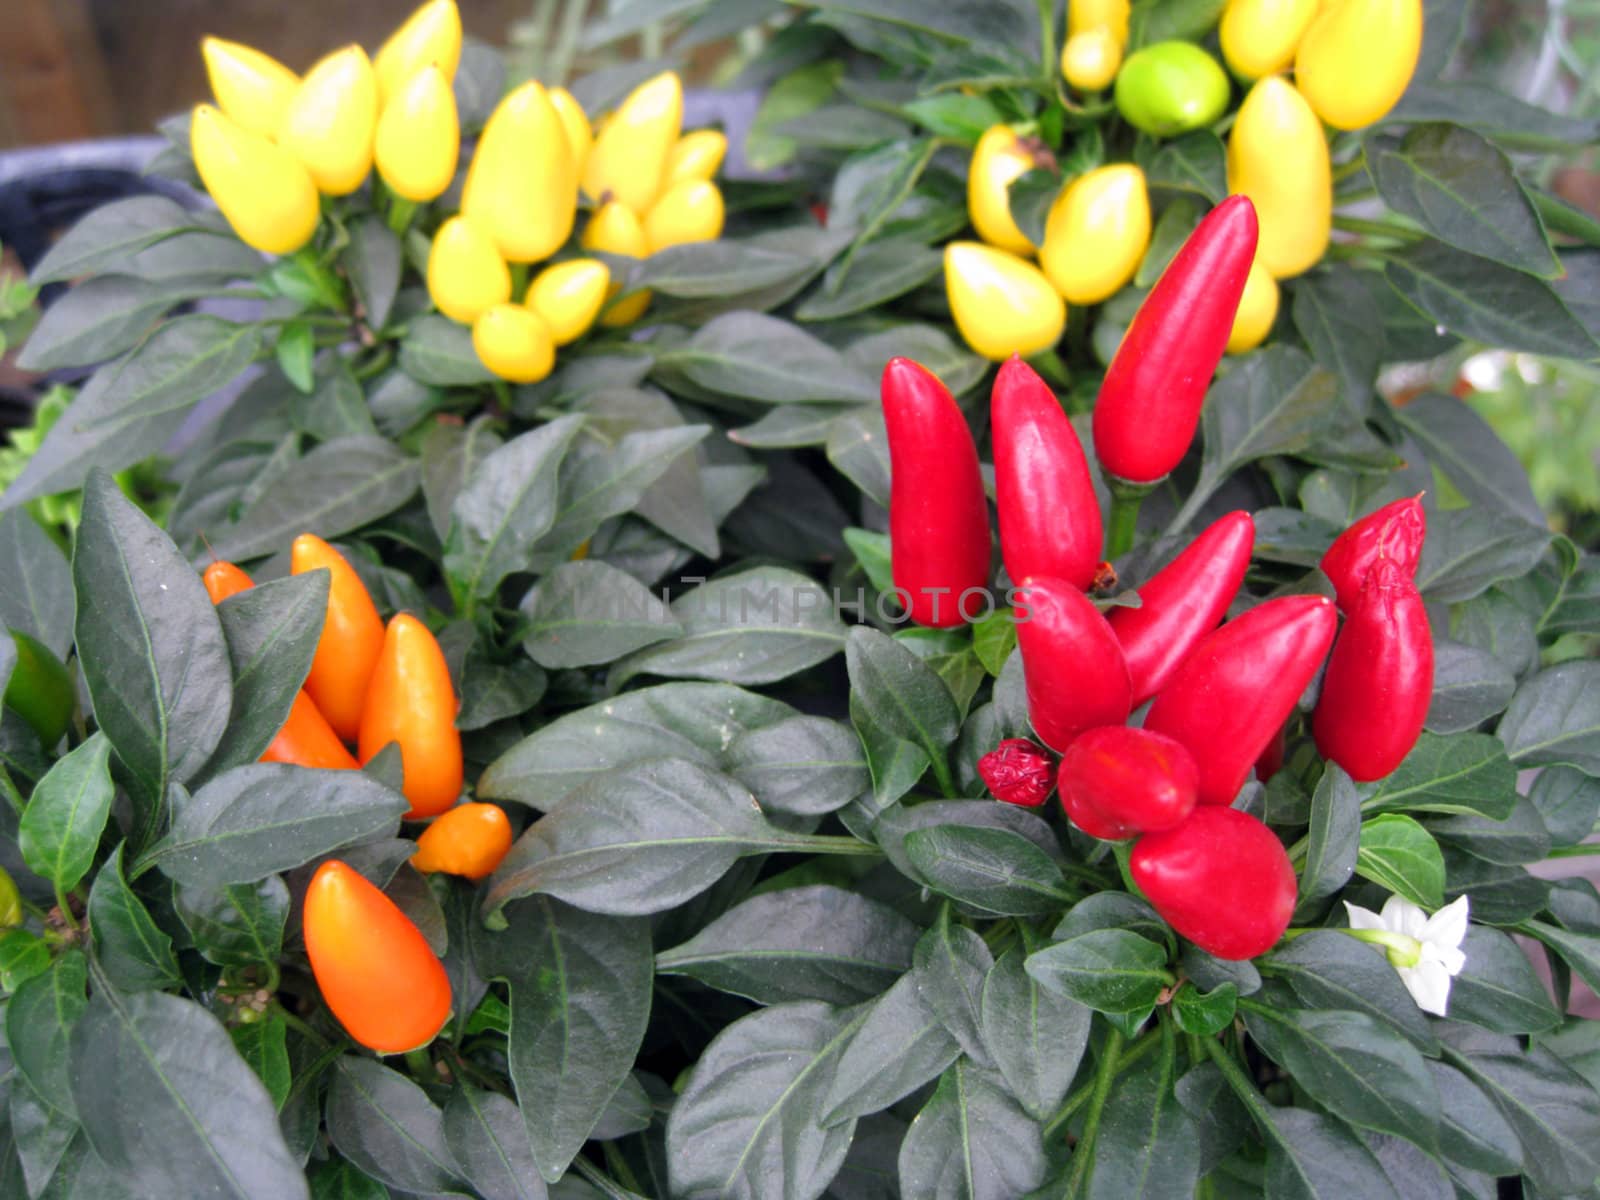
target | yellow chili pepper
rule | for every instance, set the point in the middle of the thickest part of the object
(998, 160)
(332, 119)
(1097, 233)
(1259, 37)
(253, 88)
(1356, 60)
(568, 296)
(629, 158)
(1258, 309)
(688, 212)
(1002, 304)
(431, 36)
(419, 137)
(696, 155)
(580, 138)
(1278, 156)
(466, 275)
(1110, 15)
(614, 229)
(267, 196)
(514, 343)
(522, 188)
(1089, 60)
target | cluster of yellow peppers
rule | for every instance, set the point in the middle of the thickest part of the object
(274, 143)
(1351, 60)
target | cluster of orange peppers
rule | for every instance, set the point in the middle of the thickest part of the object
(370, 685)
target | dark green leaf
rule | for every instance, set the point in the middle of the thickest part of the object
(1498, 988)
(1313, 1157)
(1329, 969)
(386, 1125)
(1332, 841)
(264, 1045)
(1276, 402)
(1399, 854)
(1569, 803)
(1109, 970)
(35, 583)
(373, 262)
(1332, 311)
(132, 950)
(100, 318)
(109, 239)
(952, 963)
(61, 827)
(995, 870)
(1555, 718)
(971, 1141)
(1194, 162)
(585, 613)
(1460, 443)
(1205, 1013)
(335, 406)
(1490, 111)
(900, 693)
(236, 926)
(255, 820)
(900, 1046)
(883, 270)
(1518, 838)
(451, 455)
(804, 765)
(858, 446)
(1148, 1147)
(438, 352)
(1470, 549)
(1036, 1037)
(1487, 302)
(186, 1116)
(1553, 1111)
(753, 357)
(485, 1134)
(39, 1018)
(337, 1179)
(806, 943)
(1469, 686)
(42, 1135)
(1462, 773)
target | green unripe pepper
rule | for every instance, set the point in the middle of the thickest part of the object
(10, 902)
(1171, 87)
(41, 689)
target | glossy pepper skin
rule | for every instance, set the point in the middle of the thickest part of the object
(1049, 514)
(332, 120)
(938, 517)
(1258, 309)
(1089, 60)
(575, 124)
(1097, 233)
(1110, 15)
(1357, 58)
(1379, 681)
(419, 136)
(1149, 404)
(466, 275)
(431, 36)
(253, 88)
(614, 229)
(352, 637)
(1278, 156)
(1221, 879)
(1239, 685)
(1183, 602)
(998, 160)
(630, 154)
(1396, 532)
(468, 840)
(1259, 37)
(1072, 665)
(373, 966)
(686, 212)
(1170, 88)
(696, 155)
(1117, 781)
(568, 296)
(1019, 772)
(265, 193)
(522, 187)
(41, 690)
(514, 342)
(412, 702)
(1002, 304)
(223, 579)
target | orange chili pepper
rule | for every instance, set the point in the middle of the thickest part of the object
(412, 702)
(469, 840)
(352, 638)
(372, 964)
(223, 579)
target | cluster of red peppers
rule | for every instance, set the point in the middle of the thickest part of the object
(1221, 693)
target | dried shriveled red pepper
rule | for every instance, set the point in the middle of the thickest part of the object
(1149, 404)
(1379, 682)
(938, 517)
(1395, 531)
(1019, 772)
(1049, 514)
(1239, 685)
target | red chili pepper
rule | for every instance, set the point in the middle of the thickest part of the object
(1150, 401)
(1117, 781)
(1241, 683)
(1379, 682)
(1395, 532)
(1071, 664)
(1049, 515)
(1019, 772)
(1183, 602)
(938, 518)
(1272, 758)
(1221, 879)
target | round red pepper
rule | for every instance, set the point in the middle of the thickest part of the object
(1073, 668)
(1183, 602)
(1221, 879)
(1149, 404)
(1379, 682)
(1241, 683)
(1395, 532)
(1049, 514)
(1019, 772)
(938, 517)
(1117, 781)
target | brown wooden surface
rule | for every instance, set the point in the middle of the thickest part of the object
(53, 84)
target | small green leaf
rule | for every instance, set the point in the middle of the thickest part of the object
(1399, 854)
(1109, 970)
(264, 1045)
(296, 351)
(61, 827)
(132, 950)
(1205, 1014)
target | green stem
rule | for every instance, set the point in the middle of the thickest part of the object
(1192, 506)
(329, 289)
(1083, 1153)
(1243, 1086)
(602, 1182)
(1123, 523)
(1123, 852)
(946, 780)
(1346, 169)
(65, 905)
(401, 211)
(1047, 42)
(1582, 850)
(519, 281)
(1383, 229)
(300, 1026)
(421, 1064)
(1074, 1102)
